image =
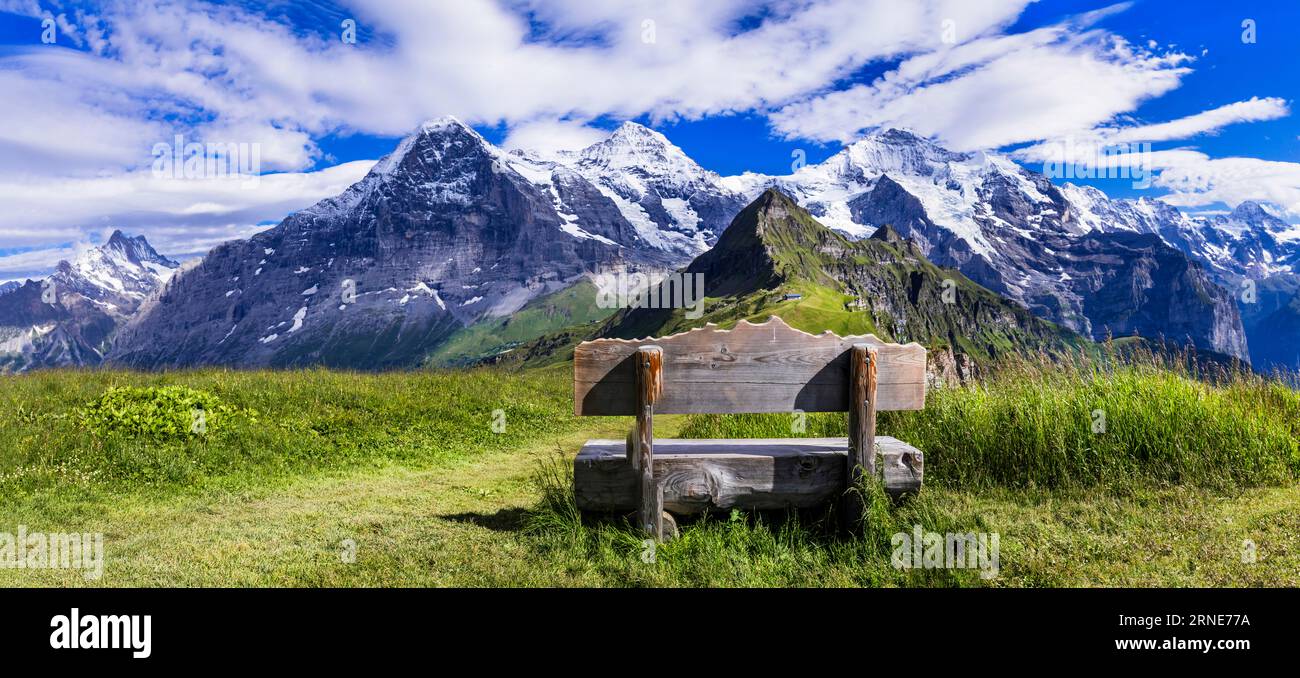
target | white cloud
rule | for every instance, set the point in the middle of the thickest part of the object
(148, 70)
(193, 214)
(478, 59)
(1251, 110)
(1103, 141)
(1192, 178)
(151, 69)
(1196, 180)
(35, 263)
(996, 91)
(549, 136)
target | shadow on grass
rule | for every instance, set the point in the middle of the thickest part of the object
(504, 520)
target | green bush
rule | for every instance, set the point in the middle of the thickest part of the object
(159, 412)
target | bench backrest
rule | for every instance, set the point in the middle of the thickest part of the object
(768, 367)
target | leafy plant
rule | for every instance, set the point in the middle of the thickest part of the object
(162, 412)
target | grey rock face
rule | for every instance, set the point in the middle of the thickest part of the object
(1250, 252)
(1137, 284)
(443, 232)
(449, 230)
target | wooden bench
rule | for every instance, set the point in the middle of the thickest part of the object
(768, 367)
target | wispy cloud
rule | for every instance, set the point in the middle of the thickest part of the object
(126, 75)
(43, 210)
(999, 90)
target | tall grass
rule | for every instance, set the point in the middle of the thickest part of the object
(1138, 417)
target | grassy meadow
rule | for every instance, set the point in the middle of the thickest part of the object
(463, 478)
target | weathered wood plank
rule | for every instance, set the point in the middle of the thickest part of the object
(861, 457)
(649, 385)
(618, 399)
(768, 367)
(704, 475)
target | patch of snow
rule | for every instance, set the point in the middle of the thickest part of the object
(298, 318)
(682, 213)
(579, 233)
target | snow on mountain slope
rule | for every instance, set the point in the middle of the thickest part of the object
(449, 229)
(1011, 230)
(950, 186)
(672, 203)
(70, 317)
(1250, 242)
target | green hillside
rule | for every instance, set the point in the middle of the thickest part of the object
(882, 285)
(574, 305)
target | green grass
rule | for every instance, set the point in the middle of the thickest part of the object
(280, 425)
(407, 466)
(571, 306)
(1059, 428)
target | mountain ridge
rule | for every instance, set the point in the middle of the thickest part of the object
(881, 285)
(448, 231)
(69, 318)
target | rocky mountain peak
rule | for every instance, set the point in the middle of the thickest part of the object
(773, 216)
(136, 250)
(445, 124)
(635, 146)
(637, 135)
(887, 234)
(93, 295)
(1252, 213)
(897, 150)
(423, 152)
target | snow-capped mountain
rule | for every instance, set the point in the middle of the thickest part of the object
(1251, 251)
(671, 202)
(445, 231)
(1011, 230)
(70, 317)
(1249, 242)
(449, 230)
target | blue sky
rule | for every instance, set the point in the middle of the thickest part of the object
(740, 85)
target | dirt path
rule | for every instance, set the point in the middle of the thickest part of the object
(457, 525)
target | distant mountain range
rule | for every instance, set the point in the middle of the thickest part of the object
(452, 249)
(1014, 232)
(69, 318)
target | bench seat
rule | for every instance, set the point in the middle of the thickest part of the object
(756, 473)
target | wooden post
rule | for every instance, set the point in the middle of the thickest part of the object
(862, 425)
(649, 386)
